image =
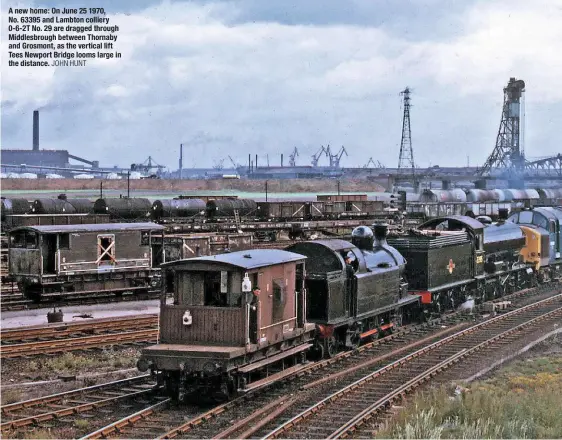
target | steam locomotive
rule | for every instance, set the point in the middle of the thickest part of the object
(217, 333)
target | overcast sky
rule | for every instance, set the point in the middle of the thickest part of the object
(263, 76)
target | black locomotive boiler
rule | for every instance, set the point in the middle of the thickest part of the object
(351, 304)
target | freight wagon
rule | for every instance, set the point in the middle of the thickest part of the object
(85, 259)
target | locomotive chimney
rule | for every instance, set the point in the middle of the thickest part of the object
(36, 130)
(380, 231)
(362, 237)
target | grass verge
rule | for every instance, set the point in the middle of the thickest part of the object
(522, 400)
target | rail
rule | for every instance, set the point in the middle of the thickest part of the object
(58, 330)
(270, 400)
(73, 402)
(79, 343)
(353, 390)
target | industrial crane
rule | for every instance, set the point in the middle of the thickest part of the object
(319, 153)
(219, 164)
(378, 164)
(292, 158)
(234, 164)
(335, 158)
(147, 166)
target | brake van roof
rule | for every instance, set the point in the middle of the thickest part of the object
(251, 259)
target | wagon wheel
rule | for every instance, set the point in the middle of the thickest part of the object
(317, 351)
(331, 347)
(355, 340)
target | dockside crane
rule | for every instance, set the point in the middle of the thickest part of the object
(335, 158)
(292, 157)
(376, 164)
(234, 164)
(316, 157)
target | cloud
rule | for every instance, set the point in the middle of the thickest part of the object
(229, 78)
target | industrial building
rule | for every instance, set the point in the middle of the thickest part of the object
(53, 159)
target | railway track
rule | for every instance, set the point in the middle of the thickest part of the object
(341, 412)
(18, 302)
(66, 407)
(57, 338)
(259, 412)
(205, 424)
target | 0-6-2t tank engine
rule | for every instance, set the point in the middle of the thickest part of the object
(354, 290)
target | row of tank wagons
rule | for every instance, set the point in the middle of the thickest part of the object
(491, 195)
(214, 208)
(374, 282)
(193, 208)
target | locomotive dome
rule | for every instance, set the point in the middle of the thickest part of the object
(362, 237)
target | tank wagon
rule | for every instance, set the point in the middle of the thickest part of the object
(230, 208)
(124, 208)
(85, 259)
(177, 208)
(62, 206)
(14, 207)
(232, 315)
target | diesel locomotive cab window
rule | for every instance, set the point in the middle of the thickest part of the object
(526, 217)
(106, 249)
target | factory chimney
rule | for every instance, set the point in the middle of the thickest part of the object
(36, 130)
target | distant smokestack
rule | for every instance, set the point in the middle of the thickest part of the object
(281, 159)
(36, 130)
(181, 161)
(256, 164)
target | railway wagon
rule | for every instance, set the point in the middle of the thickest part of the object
(230, 208)
(206, 198)
(63, 206)
(14, 207)
(233, 314)
(14, 221)
(180, 246)
(341, 197)
(178, 208)
(290, 210)
(124, 208)
(54, 260)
